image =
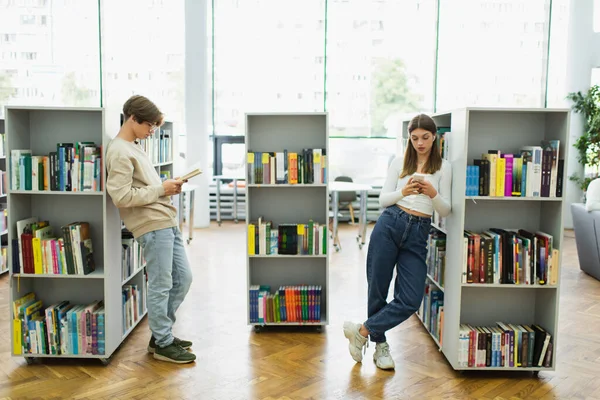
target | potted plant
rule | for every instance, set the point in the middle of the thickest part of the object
(588, 144)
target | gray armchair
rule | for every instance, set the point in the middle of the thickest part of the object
(587, 237)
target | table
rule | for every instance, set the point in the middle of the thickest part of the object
(190, 189)
(219, 179)
(335, 187)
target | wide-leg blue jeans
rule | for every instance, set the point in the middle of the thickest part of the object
(399, 240)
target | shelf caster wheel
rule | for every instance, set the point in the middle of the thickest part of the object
(219, 223)
(236, 221)
(257, 328)
(337, 248)
(357, 238)
(360, 246)
(105, 361)
(536, 374)
(319, 329)
(30, 360)
(188, 241)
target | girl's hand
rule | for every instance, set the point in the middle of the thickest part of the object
(425, 187)
(411, 187)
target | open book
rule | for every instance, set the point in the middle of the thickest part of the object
(191, 174)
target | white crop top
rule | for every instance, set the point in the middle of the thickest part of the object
(391, 193)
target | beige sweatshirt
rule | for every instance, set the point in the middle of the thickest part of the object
(136, 189)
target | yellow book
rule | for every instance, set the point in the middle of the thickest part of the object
(251, 239)
(500, 171)
(555, 262)
(37, 255)
(17, 336)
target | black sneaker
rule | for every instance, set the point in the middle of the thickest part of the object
(186, 344)
(174, 353)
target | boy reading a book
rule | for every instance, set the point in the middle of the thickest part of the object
(145, 207)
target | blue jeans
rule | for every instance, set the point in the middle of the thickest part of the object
(169, 280)
(399, 239)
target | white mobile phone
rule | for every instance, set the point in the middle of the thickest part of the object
(418, 177)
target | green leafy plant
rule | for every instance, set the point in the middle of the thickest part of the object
(588, 144)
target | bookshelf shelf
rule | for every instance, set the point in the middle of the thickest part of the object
(317, 323)
(97, 274)
(287, 185)
(99, 356)
(436, 226)
(43, 131)
(287, 148)
(502, 310)
(507, 286)
(130, 277)
(530, 369)
(288, 256)
(499, 198)
(162, 164)
(436, 283)
(135, 324)
(53, 192)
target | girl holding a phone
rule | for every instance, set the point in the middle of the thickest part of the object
(417, 184)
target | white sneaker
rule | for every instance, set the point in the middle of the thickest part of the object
(357, 341)
(382, 357)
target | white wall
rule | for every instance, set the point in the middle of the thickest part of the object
(197, 103)
(583, 53)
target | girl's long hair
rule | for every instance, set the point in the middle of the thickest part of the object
(434, 163)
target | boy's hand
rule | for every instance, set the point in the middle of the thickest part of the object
(172, 186)
(179, 179)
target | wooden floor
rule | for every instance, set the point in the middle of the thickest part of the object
(236, 363)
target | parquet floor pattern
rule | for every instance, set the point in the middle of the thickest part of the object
(234, 362)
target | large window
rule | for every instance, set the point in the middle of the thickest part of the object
(380, 64)
(492, 53)
(143, 53)
(49, 53)
(268, 57)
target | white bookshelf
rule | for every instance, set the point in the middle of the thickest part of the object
(287, 203)
(4, 267)
(40, 129)
(473, 132)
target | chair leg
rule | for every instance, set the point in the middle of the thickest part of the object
(351, 214)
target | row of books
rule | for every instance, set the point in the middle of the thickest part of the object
(133, 258)
(295, 239)
(535, 171)
(159, 146)
(306, 167)
(436, 256)
(504, 345)
(431, 311)
(505, 256)
(296, 303)
(72, 167)
(41, 250)
(134, 304)
(61, 328)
